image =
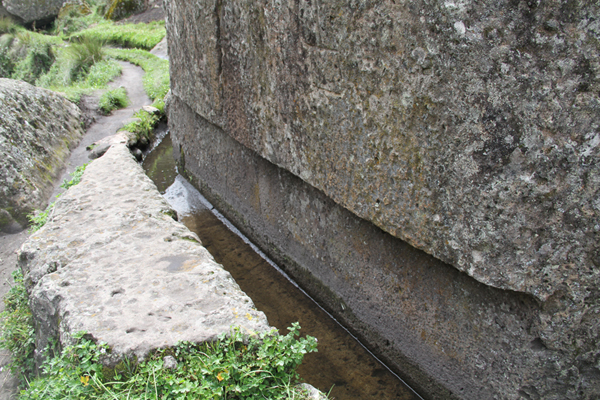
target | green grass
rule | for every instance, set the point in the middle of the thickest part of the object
(7, 25)
(113, 99)
(237, 366)
(83, 54)
(140, 36)
(16, 329)
(156, 79)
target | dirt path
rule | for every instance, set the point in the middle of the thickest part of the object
(104, 126)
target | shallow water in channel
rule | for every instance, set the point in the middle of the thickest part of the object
(342, 364)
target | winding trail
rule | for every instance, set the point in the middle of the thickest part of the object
(131, 80)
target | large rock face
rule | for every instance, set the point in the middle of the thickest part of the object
(37, 130)
(113, 262)
(29, 11)
(469, 130)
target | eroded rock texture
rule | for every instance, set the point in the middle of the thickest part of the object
(113, 262)
(30, 11)
(37, 130)
(468, 130)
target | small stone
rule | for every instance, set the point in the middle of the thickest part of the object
(151, 110)
(169, 362)
(137, 153)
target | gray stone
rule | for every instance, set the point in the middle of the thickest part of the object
(30, 11)
(151, 110)
(469, 130)
(37, 130)
(169, 362)
(97, 149)
(113, 262)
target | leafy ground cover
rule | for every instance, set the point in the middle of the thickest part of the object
(236, 366)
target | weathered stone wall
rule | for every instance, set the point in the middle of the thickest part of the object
(468, 130)
(38, 128)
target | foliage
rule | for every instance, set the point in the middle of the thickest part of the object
(156, 79)
(59, 78)
(7, 25)
(75, 177)
(234, 367)
(113, 99)
(16, 329)
(32, 55)
(143, 126)
(38, 218)
(140, 36)
(83, 54)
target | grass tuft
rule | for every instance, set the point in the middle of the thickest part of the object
(113, 99)
(83, 54)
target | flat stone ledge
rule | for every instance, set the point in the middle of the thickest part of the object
(113, 262)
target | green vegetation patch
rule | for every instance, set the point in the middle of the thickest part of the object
(236, 366)
(140, 36)
(16, 329)
(143, 126)
(113, 99)
(156, 79)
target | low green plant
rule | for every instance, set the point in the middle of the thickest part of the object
(38, 218)
(84, 54)
(8, 25)
(236, 366)
(16, 329)
(143, 126)
(75, 177)
(139, 36)
(113, 99)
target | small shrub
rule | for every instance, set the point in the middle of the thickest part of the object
(144, 126)
(38, 218)
(16, 329)
(113, 99)
(84, 54)
(38, 61)
(7, 25)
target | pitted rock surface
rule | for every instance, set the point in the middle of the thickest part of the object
(467, 129)
(38, 129)
(113, 262)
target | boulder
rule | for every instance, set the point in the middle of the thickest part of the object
(29, 11)
(38, 128)
(112, 261)
(120, 9)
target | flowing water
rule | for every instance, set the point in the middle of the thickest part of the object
(342, 364)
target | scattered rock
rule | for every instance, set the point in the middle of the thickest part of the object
(38, 128)
(97, 149)
(169, 362)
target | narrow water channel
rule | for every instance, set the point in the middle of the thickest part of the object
(342, 364)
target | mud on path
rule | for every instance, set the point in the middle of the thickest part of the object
(131, 80)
